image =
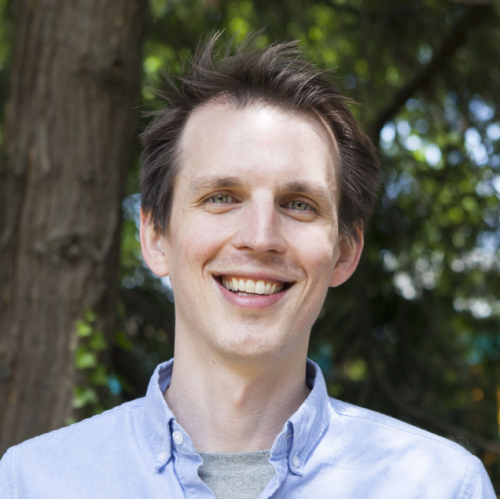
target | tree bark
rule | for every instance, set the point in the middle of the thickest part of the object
(68, 137)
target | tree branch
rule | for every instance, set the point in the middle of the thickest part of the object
(457, 36)
(341, 7)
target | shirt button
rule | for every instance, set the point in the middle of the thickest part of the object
(296, 461)
(178, 438)
(162, 455)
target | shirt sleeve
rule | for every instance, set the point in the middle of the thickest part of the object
(483, 489)
(6, 479)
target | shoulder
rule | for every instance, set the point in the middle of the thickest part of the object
(65, 458)
(367, 421)
(412, 456)
(78, 442)
(83, 433)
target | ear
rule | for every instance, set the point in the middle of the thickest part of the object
(348, 258)
(153, 247)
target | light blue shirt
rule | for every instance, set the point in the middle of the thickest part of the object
(327, 449)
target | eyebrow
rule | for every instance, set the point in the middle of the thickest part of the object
(213, 182)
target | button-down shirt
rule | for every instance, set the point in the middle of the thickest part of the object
(327, 449)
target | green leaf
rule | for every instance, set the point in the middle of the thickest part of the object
(84, 359)
(83, 329)
(97, 341)
(90, 316)
(98, 377)
(83, 396)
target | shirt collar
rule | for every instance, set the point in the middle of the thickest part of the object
(157, 415)
(309, 422)
(298, 438)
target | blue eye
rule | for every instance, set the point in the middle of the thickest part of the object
(298, 205)
(221, 199)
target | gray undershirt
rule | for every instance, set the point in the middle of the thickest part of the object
(236, 476)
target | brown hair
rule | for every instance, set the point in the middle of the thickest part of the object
(277, 75)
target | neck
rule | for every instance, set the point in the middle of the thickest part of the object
(228, 407)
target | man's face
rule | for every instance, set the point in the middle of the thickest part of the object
(252, 244)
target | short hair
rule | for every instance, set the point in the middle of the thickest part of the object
(277, 75)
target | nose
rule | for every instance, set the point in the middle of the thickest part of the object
(260, 228)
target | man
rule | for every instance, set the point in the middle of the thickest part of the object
(257, 184)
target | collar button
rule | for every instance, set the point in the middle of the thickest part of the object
(178, 438)
(296, 461)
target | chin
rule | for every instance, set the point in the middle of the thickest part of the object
(252, 348)
(246, 358)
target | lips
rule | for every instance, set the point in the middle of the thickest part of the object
(249, 286)
(276, 291)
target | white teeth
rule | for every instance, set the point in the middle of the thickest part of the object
(260, 287)
(250, 287)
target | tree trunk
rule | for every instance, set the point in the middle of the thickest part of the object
(68, 135)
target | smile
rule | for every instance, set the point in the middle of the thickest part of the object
(243, 286)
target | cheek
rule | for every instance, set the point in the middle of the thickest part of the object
(197, 242)
(314, 250)
(317, 257)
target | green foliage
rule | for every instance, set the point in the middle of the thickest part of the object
(84, 396)
(91, 395)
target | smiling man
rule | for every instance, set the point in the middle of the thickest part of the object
(257, 185)
(251, 247)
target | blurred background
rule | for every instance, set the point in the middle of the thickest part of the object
(415, 333)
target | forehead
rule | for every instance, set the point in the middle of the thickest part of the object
(259, 142)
